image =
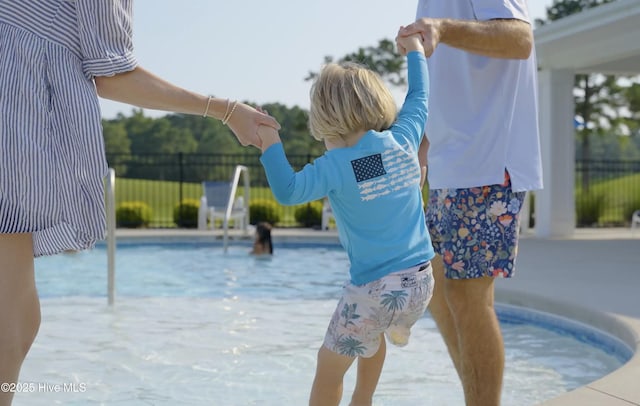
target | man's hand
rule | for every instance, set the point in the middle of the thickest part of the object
(429, 29)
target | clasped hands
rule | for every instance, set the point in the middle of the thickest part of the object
(246, 121)
(428, 30)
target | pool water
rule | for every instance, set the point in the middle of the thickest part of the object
(195, 326)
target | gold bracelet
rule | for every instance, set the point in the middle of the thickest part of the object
(226, 119)
(226, 109)
(206, 110)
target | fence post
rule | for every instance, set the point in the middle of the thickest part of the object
(181, 181)
(111, 235)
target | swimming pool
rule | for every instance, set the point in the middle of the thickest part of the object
(194, 326)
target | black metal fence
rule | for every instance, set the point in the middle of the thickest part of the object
(607, 192)
(162, 181)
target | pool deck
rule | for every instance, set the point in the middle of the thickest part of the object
(592, 277)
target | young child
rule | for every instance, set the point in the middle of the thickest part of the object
(262, 243)
(371, 176)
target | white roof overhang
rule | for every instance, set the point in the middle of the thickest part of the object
(603, 39)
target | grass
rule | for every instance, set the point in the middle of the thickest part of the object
(619, 194)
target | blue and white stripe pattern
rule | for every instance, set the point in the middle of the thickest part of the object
(52, 161)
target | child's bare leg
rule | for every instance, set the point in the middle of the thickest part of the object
(327, 385)
(369, 370)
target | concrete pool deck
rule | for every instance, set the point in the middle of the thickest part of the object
(592, 277)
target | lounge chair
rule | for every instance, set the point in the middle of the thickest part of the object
(215, 201)
(635, 220)
(327, 214)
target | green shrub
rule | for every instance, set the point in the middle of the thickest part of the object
(264, 210)
(133, 214)
(589, 207)
(185, 213)
(309, 214)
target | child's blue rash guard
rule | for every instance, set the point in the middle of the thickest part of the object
(373, 187)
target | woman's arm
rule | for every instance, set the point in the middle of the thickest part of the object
(142, 88)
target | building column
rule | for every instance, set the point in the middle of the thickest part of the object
(555, 203)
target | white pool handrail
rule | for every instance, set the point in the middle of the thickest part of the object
(240, 169)
(111, 234)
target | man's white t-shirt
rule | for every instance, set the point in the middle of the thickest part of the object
(483, 115)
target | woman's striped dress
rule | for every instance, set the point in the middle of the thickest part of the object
(52, 161)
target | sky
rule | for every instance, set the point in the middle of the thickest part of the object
(259, 51)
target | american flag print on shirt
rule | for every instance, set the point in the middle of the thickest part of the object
(368, 167)
(391, 171)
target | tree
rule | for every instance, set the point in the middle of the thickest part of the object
(382, 59)
(295, 133)
(599, 100)
(632, 94)
(115, 136)
(563, 8)
(136, 125)
(154, 143)
(116, 142)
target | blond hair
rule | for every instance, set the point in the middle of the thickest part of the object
(347, 98)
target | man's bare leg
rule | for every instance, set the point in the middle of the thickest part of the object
(464, 313)
(439, 309)
(369, 370)
(19, 307)
(481, 349)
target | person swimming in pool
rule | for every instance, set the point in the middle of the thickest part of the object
(262, 244)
